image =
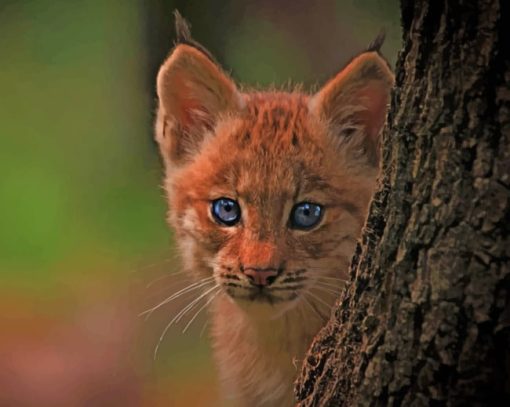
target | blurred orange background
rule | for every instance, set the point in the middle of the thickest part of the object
(84, 248)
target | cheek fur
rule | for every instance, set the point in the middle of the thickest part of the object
(332, 240)
(228, 254)
(199, 238)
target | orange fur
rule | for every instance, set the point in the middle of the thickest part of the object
(268, 151)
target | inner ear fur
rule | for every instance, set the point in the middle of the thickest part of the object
(356, 100)
(193, 92)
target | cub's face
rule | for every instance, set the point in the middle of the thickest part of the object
(269, 206)
(268, 191)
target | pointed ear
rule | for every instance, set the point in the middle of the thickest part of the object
(193, 91)
(355, 102)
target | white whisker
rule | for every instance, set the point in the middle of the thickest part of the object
(200, 310)
(326, 290)
(180, 314)
(166, 288)
(313, 308)
(191, 287)
(324, 273)
(332, 278)
(329, 306)
(325, 284)
(163, 277)
(203, 328)
(174, 257)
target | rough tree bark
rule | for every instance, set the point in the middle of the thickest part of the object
(426, 319)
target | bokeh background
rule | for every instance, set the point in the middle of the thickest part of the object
(83, 243)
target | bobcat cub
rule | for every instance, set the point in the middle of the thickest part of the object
(268, 192)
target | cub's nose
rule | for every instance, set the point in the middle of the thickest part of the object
(261, 277)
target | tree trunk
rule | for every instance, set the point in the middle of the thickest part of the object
(426, 319)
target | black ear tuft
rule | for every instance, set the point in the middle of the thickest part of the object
(376, 44)
(182, 29)
(183, 35)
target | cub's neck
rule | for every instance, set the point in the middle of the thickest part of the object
(259, 355)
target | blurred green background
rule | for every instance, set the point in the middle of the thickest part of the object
(83, 242)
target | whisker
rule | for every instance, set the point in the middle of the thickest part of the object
(287, 287)
(179, 315)
(322, 272)
(327, 284)
(329, 306)
(331, 283)
(203, 328)
(313, 308)
(236, 286)
(305, 301)
(333, 278)
(200, 310)
(188, 307)
(191, 287)
(174, 257)
(230, 277)
(166, 288)
(293, 279)
(158, 279)
(326, 290)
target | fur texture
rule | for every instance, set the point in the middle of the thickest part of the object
(268, 151)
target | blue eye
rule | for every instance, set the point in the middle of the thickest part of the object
(305, 215)
(226, 211)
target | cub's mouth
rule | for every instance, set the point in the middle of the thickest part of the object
(259, 294)
(269, 286)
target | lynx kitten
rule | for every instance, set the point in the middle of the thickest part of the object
(268, 192)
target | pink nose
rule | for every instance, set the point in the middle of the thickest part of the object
(261, 277)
